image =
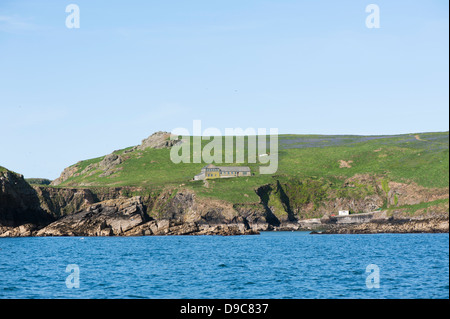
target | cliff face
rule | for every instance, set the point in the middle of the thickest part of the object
(297, 200)
(108, 218)
(19, 203)
(178, 214)
(49, 211)
(59, 202)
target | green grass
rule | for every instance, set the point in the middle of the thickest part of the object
(400, 163)
(412, 209)
(402, 158)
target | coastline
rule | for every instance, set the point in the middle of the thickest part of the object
(61, 228)
(393, 227)
(39, 211)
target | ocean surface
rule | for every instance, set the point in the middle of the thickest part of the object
(271, 265)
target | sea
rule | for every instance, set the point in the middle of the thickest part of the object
(272, 265)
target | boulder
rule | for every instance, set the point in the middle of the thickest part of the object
(24, 230)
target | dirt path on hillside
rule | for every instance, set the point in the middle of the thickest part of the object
(417, 136)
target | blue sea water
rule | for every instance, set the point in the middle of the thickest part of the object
(272, 265)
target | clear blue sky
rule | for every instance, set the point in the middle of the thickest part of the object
(136, 67)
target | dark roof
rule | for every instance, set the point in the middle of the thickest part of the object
(234, 168)
(228, 168)
(209, 166)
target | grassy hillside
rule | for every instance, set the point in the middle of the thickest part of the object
(420, 158)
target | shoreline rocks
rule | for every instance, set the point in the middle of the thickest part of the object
(391, 225)
(177, 228)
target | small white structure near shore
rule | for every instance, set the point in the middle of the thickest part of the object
(343, 213)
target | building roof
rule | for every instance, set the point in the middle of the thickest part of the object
(228, 168)
(234, 168)
(209, 166)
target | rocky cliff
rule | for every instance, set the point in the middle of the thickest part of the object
(310, 203)
(108, 218)
(20, 204)
(49, 211)
(180, 214)
(128, 211)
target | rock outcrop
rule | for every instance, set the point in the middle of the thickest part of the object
(25, 230)
(109, 164)
(108, 218)
(127, 217)
(158, 140)
(256, 216)
(171, 227)
(394, 225)
(59, 202)
(67, 173)
(110, 161)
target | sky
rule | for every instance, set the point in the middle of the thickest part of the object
(136, 67)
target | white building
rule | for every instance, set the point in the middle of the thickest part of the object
(343, 213)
